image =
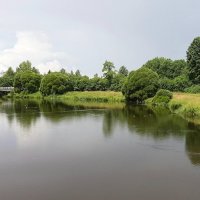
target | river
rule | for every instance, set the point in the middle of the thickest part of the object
(60, 151)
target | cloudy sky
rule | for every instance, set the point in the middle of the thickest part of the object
(82, 34)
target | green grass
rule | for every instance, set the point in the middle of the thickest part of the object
(36, 95)
(93, 96)
(87, 96)
(186, 105)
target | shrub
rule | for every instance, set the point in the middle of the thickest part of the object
(175, 106)
(162, 97)
(55, 83)
(140, 85)
(27, 82)
(193, 89)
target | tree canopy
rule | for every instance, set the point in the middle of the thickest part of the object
(140, 85)
(193, 60)
(55, 83)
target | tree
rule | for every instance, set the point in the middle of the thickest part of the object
(162, 66)
(193, 60)
(8, 78)
(27, 66)
(55, 83)
(140, 85)
(27, 81)
(108, 72)
(63, 71)
(123, 71)
(78, 73)
(24, 66)
(117, 82)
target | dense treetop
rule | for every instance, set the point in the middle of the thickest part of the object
(193, 60)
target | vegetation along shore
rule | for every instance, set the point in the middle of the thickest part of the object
(160, 81)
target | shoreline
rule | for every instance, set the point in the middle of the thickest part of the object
(185, 105)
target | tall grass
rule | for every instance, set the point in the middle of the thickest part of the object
(86, 96)
(93, 96)
(187, 105)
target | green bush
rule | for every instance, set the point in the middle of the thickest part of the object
(162, 97)
(163, 92)
(175, 106)
(27, 82)
(140, 85)
(55, 83)
(195, 89)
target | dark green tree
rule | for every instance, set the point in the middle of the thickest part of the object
(24, 66)
(55, 83)
(108, 72)
(7, 79)
(193, 60)
(123, 71)
(27, 81)
(140, 85)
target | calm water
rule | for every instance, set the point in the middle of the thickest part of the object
(54, 151)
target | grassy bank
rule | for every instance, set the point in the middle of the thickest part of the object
(95, 96)
(92, 96)
(186, 105)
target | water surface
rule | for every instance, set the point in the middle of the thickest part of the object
(52, 150)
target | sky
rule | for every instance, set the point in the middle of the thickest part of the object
(83, 34)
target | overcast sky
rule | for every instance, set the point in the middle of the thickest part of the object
(82, 34)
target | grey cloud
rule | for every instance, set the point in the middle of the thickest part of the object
(128, 32)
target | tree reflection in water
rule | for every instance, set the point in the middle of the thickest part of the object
(157, 123)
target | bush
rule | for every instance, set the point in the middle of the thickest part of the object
(162, 92)
(175, 106)
(195, 89)
(55, 83)
(27, 82)
(162, 97)
(140, 85)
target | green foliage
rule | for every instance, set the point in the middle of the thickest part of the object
(24, 66)
(159, 65)
(162, 97)
(108, 70)
(8, 78)
(173, 74)
(166, 68)
(27, 78)
(93, 96)
(27, 82)
(117, 82)
(55, 83)
(166, 93)
(123, 71)
(195, 89)
(180, 83)
(140, 85)
(193, 60)
(175, 106)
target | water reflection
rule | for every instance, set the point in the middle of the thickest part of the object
(157, 124)
(192, 144)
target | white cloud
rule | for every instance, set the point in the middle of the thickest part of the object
(33, 46)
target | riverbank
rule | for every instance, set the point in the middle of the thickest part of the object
(85, 96)
(186, 105)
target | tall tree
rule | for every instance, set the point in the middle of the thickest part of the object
(140, 85)
(123, 71)
(108, 72)
(8, 78)
(193, 60)
(24, 66)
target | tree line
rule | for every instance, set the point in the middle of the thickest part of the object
(138, 85)
(27, 79)
(164, 73)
